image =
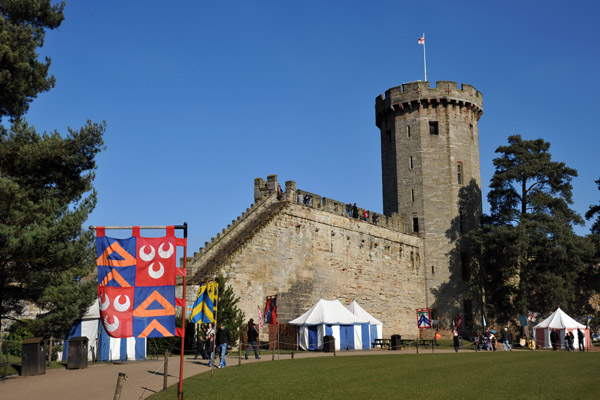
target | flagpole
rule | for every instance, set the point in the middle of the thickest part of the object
(212, 371)
(180, 387)
(424, 57)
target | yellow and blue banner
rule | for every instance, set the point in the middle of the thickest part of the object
(205, 306)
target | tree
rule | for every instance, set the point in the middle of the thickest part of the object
(46, 191)
(46, 195)
(228, 311)
(22, 29)
(531, 256)
(594, 211)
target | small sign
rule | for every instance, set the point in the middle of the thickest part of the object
(424, 318)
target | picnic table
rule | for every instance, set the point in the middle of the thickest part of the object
(428, 342)
(382, 342)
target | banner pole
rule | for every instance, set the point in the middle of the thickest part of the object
(180, 388)
(212, 370)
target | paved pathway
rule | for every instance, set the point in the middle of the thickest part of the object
(98, 381)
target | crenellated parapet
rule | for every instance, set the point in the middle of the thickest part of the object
(413, 95)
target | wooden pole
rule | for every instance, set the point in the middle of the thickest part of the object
(240, 348)
(50, 351)
(166, 370)
(278, 345)
(212, 360)
(418, 340)
(119, 387)
(180, 387)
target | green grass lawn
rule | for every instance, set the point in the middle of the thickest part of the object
(483, 375)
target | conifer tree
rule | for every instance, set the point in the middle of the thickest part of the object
(46, 191)
(531, 256)
(228, 311)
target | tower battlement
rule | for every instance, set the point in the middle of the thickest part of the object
(414, 94)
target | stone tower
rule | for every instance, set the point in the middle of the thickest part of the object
(429, 151)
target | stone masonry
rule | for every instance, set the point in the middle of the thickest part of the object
(305, 253)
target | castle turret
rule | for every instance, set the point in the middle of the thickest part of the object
(429, 151)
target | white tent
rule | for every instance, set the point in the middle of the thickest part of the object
(375, 326)
(560, 322)
(109, 348)
(330, 317)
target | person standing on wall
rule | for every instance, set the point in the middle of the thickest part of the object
(223, 340)
(252, 337)
(506, 339)
(279, 192)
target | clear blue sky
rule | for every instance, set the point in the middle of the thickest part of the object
(202, 97)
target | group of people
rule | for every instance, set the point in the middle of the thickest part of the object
(352, 212)
(207, 345)
(569, 341)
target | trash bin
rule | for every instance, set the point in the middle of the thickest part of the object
(78, 353)
(328, 344)
(396, 342)
(33, 357)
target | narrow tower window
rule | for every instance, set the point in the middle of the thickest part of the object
(415, 224)
(410, 162)
(434, 128)
(412, 195)
(408, 131)
(459, 173)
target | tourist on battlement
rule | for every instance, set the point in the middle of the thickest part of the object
(307, 199)
(354, 211)
(375, 217)
(279, 192)
(365, 215)
(349, 209)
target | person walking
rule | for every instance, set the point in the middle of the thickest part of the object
(252, 336)
(506, 339)
(209, 336)
(571, 341)
(223, 340)
(580, 338)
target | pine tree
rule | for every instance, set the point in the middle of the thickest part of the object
(228, 312)
(531, 255)
(46, 191)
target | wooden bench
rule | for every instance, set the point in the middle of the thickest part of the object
(381, 343)
(427, 338)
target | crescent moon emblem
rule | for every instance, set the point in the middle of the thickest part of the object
(156, 274)
(111, 327)
(147, 256)
(124, 306)
(167, 253)
(104, 304)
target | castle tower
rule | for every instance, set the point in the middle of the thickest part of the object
(429, 151)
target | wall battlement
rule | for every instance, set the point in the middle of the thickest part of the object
(264, 189)
(413, 94)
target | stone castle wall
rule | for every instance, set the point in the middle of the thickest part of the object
(303, 253)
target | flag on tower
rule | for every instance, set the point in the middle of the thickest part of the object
(422, 40)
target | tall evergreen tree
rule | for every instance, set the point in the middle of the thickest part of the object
(531, 255)
(46, 188)
(228, 311)
(23, 24)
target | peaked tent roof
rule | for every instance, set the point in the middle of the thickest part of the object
(328, 312)
(360, 312)
(559, 320)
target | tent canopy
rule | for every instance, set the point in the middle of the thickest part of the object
(360, 312)
(559, 320)
(330, 312)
